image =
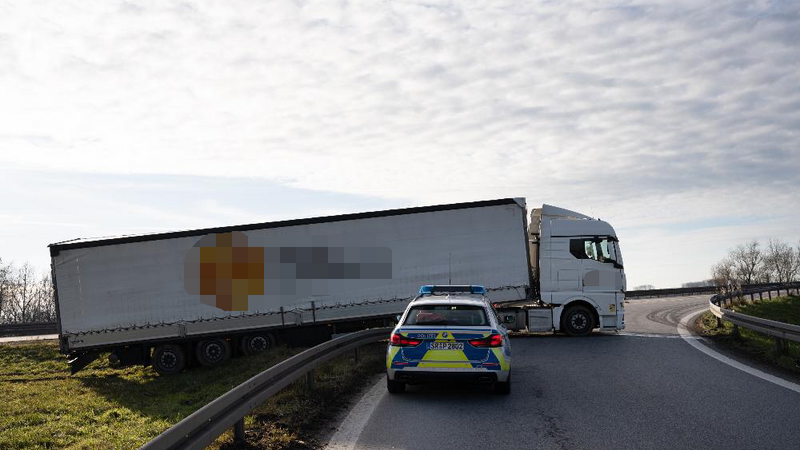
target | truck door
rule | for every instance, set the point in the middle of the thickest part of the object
(600, 276)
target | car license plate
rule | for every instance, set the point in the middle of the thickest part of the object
(446, 346)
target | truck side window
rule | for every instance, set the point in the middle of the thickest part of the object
(578, 248)
(588, 248)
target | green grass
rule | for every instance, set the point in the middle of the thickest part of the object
(42, 406)
(752, 343)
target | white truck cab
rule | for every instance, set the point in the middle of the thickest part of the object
(578, 265)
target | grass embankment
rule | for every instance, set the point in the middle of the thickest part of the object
(755, 344)
(42, 406)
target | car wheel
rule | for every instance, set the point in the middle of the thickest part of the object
(213, 352)
(503, 388)
(257, 343)
(577, 321)
(168, 359)
(395, 387)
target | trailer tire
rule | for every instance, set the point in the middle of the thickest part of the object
(577, 321)
(257, 343)
(168, 359)
(213, 352)
(395, 387)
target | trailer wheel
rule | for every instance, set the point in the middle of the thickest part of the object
(213, 352)
(168, 359)
(577, 321)
(257, 343)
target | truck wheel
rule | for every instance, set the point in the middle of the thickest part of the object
(168, 359)
(257, 343)
(577, 321)
(395, 387)
(503, 388)
(213, 352)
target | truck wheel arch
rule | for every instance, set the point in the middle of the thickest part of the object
(578, 301)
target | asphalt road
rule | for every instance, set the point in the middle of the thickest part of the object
(645, 388)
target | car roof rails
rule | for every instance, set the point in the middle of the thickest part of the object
(444, 289)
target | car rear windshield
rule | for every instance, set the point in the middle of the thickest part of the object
(447, 315)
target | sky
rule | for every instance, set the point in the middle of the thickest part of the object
(676, 121)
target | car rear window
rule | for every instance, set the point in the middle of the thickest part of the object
(447, 315)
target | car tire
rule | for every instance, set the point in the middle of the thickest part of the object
(395, 387)
(213, 352)
(256, 343)
(168, 359)
(503, 388)
(577, 321)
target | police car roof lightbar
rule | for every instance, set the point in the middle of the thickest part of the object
(431, 289)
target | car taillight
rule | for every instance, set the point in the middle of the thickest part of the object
(494, 340)
(400, 341)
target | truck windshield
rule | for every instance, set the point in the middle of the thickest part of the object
(447, 315)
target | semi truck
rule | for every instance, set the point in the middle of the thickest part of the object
(176, 299)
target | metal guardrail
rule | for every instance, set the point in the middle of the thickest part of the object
(28, 329)
(202, 427)
(779, 330)
(685, 291)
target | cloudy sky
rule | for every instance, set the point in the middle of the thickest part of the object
(676, 121)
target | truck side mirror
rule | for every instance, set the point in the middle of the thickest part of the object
(509, 319)
(398, 318)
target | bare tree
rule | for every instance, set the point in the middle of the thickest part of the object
(781, 261)
(747, 262)
(5, 283)
(724, 275)
(26, 296)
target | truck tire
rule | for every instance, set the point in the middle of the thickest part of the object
(395, 387)
(577, 321)
(503, 388)
(168, 359)
(257, 343)
(213, 352)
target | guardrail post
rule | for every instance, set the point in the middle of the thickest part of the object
(778, 345)
(238, 431)
(736, 331)
(761, 296)
(310, 380)
(752, 299)
(769, 293)
(355, 355)
(719, 322)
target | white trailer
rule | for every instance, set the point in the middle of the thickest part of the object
(170, 297)
(173, 299)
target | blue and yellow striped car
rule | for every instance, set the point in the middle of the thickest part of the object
(449, 332)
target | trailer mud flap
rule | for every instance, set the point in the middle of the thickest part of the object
(78, 361)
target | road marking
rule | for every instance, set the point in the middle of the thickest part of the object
(653, 335)
(693, 341)
(351, 427)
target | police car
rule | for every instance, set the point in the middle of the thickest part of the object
(449, 332)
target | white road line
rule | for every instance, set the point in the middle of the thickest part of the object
(693, 341)
(351, 427)
(652, 335)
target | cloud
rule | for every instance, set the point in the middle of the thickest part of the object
(644, 112)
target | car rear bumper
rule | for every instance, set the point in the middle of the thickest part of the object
(425, 376)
